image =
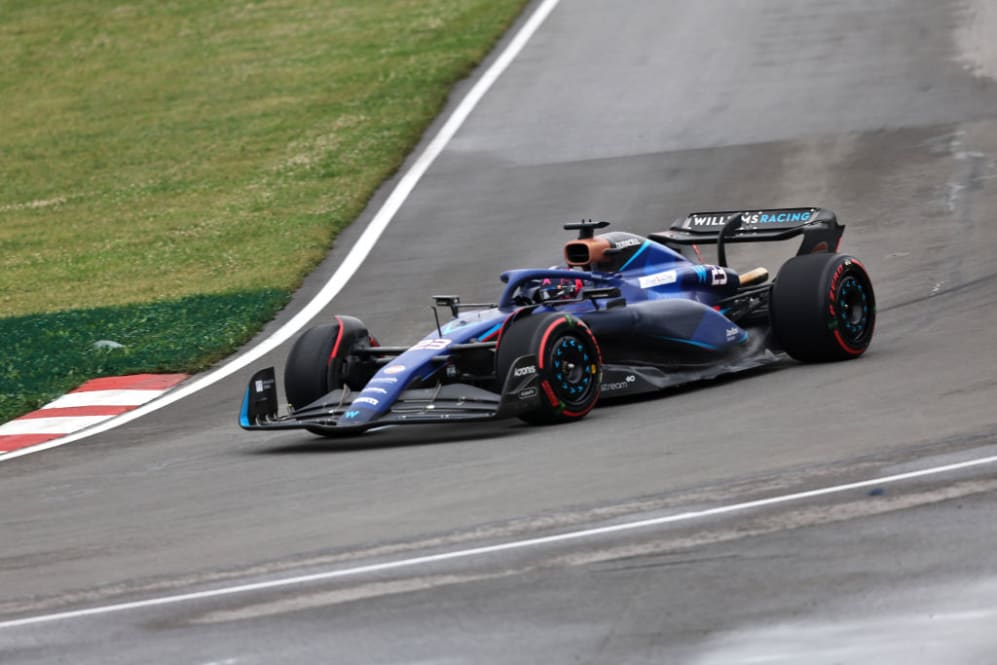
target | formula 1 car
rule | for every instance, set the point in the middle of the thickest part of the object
(623, 315)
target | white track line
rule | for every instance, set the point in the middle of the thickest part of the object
(494, 549)
(357, 254)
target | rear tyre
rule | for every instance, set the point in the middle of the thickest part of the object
(322, 360)
(569, 364)
(822, 307)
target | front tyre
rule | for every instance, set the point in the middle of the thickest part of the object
(822, 307)
(569, 364)
(321, 360)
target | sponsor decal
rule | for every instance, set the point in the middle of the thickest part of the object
(629, 242)
(259, 386)
(524, 370)
(394, 369)
(376, 390)
(436, 344)
(366, 400)
(618, 385)
(384, 379)
(833, 291)
(350, 414)
(732, 333)
(708, 220)
(776, 217)
(701, 273)
(718, 276)
(658, 279)
(529, 393)
(711, 221)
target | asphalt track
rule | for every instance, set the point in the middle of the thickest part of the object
(636, 112)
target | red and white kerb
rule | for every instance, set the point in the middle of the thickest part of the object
(92, 403)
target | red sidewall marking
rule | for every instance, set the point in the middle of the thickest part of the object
(551, 397)
(543, 341)
(579, 414)
(335, 347)
(844, 346)
(838, 274)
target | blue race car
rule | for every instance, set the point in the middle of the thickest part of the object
(624, 315)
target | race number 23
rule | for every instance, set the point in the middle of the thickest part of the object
(437, 344)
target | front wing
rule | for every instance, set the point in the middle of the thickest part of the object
(456, 402)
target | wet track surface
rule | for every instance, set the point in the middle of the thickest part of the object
(636, 112)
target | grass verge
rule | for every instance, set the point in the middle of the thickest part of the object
(166, 151)
(49, 354)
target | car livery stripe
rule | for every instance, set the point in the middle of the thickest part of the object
(505, 324)
(640, 251)
(690, 342)
(491, 332)
(244, 411)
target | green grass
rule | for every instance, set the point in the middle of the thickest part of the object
(165, 150)
(47, 354)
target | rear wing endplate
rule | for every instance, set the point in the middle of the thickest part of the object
(819, 227)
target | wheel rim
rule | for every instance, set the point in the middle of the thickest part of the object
(853, 310)
(573, 373)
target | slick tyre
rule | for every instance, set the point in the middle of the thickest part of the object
(322, 360)
(569, 364)
(823, 308)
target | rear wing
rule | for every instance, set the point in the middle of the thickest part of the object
(819, 227)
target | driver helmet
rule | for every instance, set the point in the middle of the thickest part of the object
(558, 289)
